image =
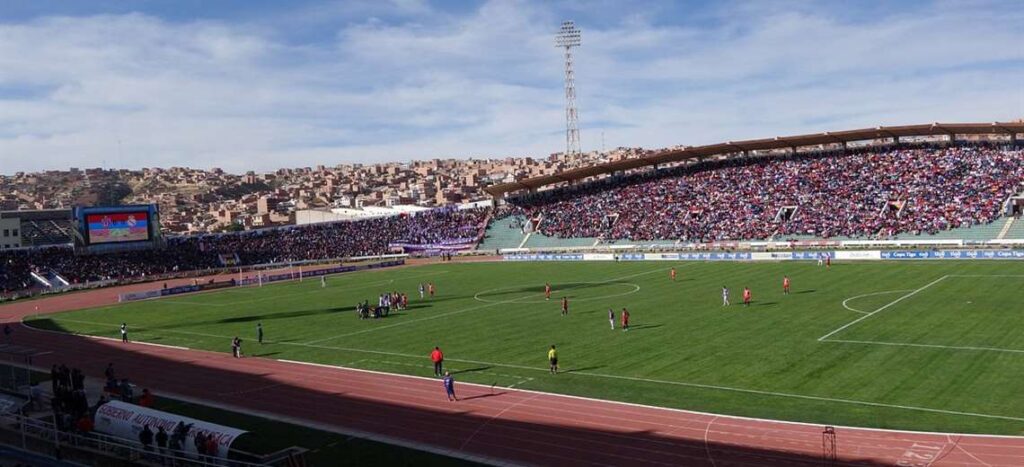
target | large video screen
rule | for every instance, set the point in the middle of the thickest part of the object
(118, 227)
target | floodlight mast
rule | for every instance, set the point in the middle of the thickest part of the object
(568, 37)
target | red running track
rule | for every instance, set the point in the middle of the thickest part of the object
(498, 426)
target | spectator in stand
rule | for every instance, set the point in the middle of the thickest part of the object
(443, 226)
(861, 193)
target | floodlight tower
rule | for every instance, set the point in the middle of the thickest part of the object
(568, 37)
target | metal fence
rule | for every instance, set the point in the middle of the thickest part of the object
(36, 435)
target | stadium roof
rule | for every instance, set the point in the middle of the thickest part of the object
(778, 142)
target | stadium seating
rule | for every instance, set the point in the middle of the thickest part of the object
(281, 245)
(500, 235)
(867, 193)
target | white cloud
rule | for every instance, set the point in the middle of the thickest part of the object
(486, 83)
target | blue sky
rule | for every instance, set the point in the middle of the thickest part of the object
(260, 85)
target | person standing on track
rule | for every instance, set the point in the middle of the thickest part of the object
(438, 358)
(124, 333)
(236, 347)
(785, 285)
(449, 386)
(625, 319)
(259, 333)
(553, 359)
(565, 306)
(611, 318)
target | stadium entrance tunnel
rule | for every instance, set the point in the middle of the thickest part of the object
(574, 291)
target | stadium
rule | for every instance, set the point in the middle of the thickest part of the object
(894, 341)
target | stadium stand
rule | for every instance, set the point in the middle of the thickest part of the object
(281, 245)
(866, 193)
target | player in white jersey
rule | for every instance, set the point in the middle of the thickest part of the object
(323, 281)
(725, 296)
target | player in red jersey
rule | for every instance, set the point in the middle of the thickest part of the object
(673, 274)
(785, 285)
(430, 289)
(565, 306)
(547, 291)
(828, 261)
(625, 319)
(746, 296)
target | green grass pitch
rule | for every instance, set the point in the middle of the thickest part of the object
(908, 345)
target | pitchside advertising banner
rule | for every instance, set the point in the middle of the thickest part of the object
(854, 255)
(124, 420)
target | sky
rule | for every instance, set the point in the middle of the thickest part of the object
(258, 85)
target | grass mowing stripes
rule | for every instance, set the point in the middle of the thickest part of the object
(942, 359)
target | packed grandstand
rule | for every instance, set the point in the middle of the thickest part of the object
(868, 192)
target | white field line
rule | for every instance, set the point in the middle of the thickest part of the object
(882, 308)
(645, 380)
(869, 295)
(704, 386)
(465, 310)
(928, 346)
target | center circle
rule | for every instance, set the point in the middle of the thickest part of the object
(575, 292)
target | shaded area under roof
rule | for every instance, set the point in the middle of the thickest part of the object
(778, 142)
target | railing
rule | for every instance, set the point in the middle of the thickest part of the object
(39, 436)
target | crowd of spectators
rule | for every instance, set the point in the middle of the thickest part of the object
(866, 193)
(276, 245)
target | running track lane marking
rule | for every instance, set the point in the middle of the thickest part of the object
(464, 310)
(883, 308)
(676, 383)
(495, 417)
(868, 295)
(707, 446)
(608, 376)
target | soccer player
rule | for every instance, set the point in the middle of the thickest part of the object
(449, 386)
(124, 333)
(430, 289)
(828, 261)
(725, 296)
(785, 285)
(236, 347)
(259, 333)
(553, 359)
(611, 318)
(438, 358)
(746, 296)
(673, 274)
(565, 306)
(547, 291)
(323, 281)
(625, 319)
(820, 259)
(421, 291)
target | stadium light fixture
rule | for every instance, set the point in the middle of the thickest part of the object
(568, 37)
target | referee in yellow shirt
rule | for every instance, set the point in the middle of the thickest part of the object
(553, 359)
